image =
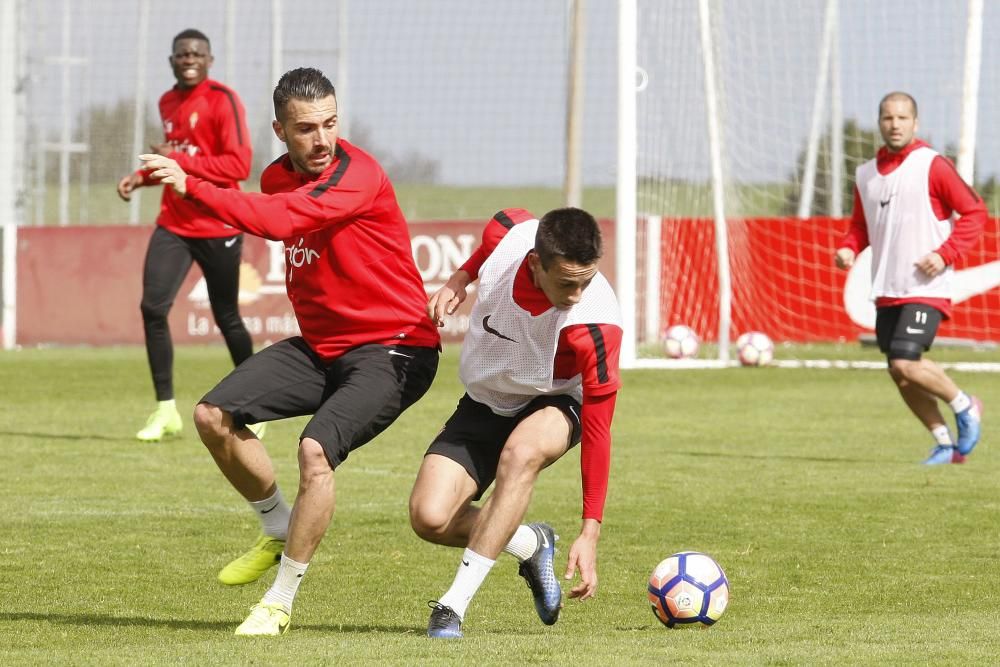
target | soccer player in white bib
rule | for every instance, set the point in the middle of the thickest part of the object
(919, 216)
(540, 369)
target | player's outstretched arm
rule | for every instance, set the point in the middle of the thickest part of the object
(449, 297)
(583, 557)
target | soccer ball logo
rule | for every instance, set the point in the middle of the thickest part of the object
(688, 589)
(755, 349)
(680, 342)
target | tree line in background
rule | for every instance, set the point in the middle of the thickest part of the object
(107, 131)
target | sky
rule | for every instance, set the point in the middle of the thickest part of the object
(480, 86)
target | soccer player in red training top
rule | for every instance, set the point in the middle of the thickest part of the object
(540, 369)
(904, 200)
(367, 351)
(206, 133)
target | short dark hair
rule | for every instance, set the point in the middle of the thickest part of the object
(191, 33)
(898, 95)
(571, 233)
(304, 83)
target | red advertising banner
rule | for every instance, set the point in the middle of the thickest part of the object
(784, 281)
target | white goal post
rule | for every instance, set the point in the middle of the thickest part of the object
(740, 126)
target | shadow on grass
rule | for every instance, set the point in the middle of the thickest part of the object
(771, 457)
(914, 463)
(98, 620)
(68, 436)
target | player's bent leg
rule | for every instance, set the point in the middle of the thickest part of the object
(265, 619)
(243, 460)
(314, 503)
(439, 507)
(538, 441)
(251, 566)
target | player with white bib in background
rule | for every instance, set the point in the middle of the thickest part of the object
(904, 203)
(540, 368)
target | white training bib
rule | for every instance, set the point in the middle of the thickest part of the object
(902, 227)
(508, 355)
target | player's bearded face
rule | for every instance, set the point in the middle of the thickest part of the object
(309, 130)
(897, 123)
(563, 281)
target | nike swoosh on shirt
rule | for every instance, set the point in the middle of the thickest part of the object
(489, 329)
(966, 283)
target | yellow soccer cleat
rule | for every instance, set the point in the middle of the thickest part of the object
(266, 619)
(165, 421)
(249, 567)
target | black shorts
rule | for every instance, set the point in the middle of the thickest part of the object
(474, 435)
(914, 324)
(352, 399)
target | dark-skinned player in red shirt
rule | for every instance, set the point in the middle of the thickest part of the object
(367, 351)
(205, 132)
(540, 368)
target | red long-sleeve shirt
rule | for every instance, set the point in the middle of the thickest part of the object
(590, 350)
(349, 269)
(949, 194)
(207, 131)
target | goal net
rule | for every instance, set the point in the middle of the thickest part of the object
(751, 118)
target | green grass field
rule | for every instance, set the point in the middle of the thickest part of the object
(805, 485)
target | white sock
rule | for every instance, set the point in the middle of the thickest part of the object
(286, 584)
(942, 435)
(523, 544)
(960, 403)
(274, 515)
(470, 576)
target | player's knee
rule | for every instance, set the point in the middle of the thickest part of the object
(228, 319)
(314, 467)
(428, 521)
(210, 421)
(520, 455)
(152, 312)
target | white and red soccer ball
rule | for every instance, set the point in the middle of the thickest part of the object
(688, 589)
(680, 342)
(754, 348)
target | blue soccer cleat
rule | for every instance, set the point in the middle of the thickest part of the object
(944, 454)
(969, 423)
(444, 622)
(538, 572)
